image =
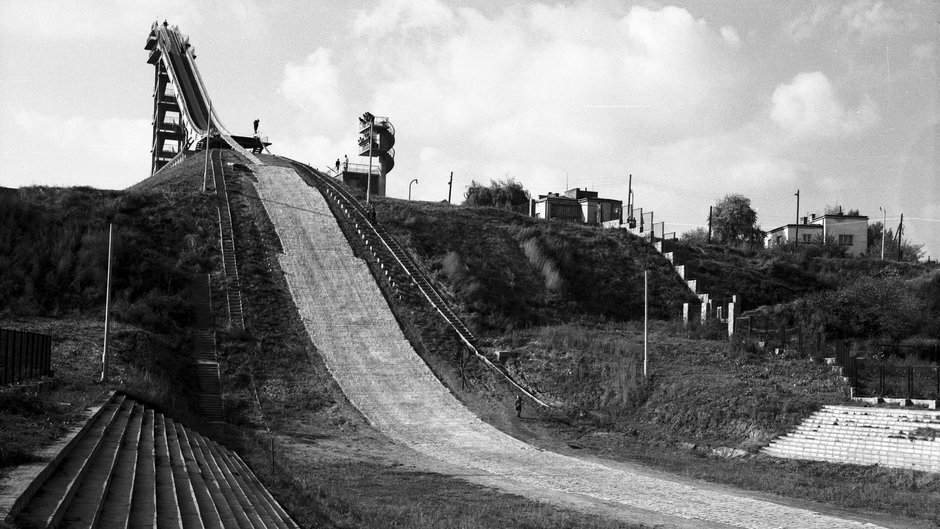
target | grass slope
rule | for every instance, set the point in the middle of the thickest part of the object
(508, 270)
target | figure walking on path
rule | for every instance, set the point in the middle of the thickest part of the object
(518, 405)
(337, 165)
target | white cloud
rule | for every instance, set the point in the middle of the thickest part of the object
(314, 85)
(121, 145)
(731, 36)
(402, 16)
(808, 107)
(859, 19)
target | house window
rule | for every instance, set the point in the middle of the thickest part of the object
(845, 240)
(779, 239)
(807, 237)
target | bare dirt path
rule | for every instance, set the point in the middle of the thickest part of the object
(362, 345)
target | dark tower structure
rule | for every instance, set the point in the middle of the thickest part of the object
(377, 140)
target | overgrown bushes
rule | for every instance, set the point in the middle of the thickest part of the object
(54, 252)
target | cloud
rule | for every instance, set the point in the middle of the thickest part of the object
(121, 145)
(531, 90)
(808, 107)
(731, 36)
(403, 16)
(853, 21)
(314, 85)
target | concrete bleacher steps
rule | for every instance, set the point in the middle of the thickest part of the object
(134, 467)
(889, 437)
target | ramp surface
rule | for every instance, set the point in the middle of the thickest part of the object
(361, 343)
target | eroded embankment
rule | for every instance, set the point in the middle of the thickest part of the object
(361, 343)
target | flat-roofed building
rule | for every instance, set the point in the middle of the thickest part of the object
(577, 205)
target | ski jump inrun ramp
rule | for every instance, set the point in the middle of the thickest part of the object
(361, 343)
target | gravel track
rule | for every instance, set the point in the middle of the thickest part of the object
(361, 343)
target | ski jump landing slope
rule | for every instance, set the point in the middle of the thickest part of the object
(351, 324)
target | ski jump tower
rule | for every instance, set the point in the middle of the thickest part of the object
(377, 140)
(182, 110)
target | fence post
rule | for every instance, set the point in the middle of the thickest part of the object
(910, 382)
(881, 380)
(3, 358)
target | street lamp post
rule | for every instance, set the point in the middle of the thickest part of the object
(884, 227)
(413, 181)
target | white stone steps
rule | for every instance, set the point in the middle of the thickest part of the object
(49, 504)
(866, 436)
(229, 515)
(208, 509)
(144, 496)
(134, 467)
(236, 496)
(168, 512)
(260, 511)
(274, 507)
(115, 510)
(190, 513)
(83, 508)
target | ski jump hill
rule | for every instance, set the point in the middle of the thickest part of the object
(352, 326)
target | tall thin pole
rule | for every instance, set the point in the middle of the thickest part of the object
(884, 230)
(630, 196)
(797, 235)
(645, 321)
(450, 186)
(900, 230)
(709, 224)
(205, 169)
(369, 177)
(413, 181)
(107, 309)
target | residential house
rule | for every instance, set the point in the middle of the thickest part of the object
(576, 205)
(850, 231)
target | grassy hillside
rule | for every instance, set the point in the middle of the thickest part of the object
(53, 268)
(769, 277)
(508, 270)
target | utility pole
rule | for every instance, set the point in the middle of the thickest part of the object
(450, 186)
(630, 196)
(646, 274)
(107, 309)
(884, 230)
(900, 230)
(369, 177)
(205, 169)
(796, 237)
(709, 224)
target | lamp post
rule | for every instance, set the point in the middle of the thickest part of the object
(884, 227)
(413, 181)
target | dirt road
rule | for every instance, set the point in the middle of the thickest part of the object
(350, 323)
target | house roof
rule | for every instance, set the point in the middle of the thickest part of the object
(801, 226)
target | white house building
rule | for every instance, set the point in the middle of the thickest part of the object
(850, 231)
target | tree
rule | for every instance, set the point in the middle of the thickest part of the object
(499, 194)
(695, 236)
(734, 221)
(910, 252)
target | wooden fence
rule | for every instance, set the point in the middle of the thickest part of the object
(24, 355)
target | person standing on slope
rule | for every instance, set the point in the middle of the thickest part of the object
(518, 405)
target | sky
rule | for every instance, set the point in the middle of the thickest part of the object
(695, 99)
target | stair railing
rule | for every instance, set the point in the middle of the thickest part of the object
(418, 277)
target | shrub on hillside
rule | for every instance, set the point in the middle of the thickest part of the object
(499, 194)
(870, 307)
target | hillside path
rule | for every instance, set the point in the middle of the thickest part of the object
(361, 343)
